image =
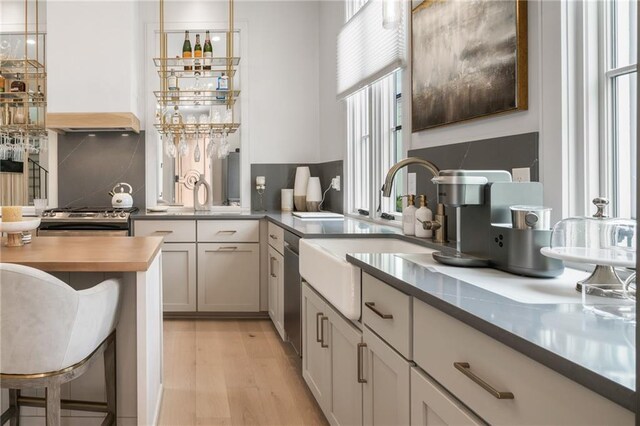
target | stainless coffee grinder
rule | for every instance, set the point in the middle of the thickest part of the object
(485, 226)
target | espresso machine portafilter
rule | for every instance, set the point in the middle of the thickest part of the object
(486, 235)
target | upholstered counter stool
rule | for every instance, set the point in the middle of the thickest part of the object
(51, 334)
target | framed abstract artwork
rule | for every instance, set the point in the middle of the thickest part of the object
(469, 60)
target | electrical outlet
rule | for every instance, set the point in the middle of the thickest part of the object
(335, 183)
(522, 174)
(411, 184)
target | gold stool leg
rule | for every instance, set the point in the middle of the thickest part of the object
(13, 403)
(110, 376)
(53, 404)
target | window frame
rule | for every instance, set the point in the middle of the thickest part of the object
(379, 145)
(608, 72)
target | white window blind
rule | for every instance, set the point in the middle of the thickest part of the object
(366, 50)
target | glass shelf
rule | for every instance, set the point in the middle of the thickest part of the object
(197, 97)
(203, 129)
(20, 98)
(28, 68)
(24, 129)
(203, 74)
(219, 62)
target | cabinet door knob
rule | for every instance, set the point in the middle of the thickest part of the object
(273, 237)
(376, 311)
(465, 368)
(361, 378)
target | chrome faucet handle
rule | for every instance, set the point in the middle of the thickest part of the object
(601, 203)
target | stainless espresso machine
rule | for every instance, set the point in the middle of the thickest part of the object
(485, 231)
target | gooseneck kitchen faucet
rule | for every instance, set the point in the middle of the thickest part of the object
(439, 224)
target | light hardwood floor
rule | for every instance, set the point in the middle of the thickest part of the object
(232, 372)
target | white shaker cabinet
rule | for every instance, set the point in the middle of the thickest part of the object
(228, 277)
(179, 277)
(387, 388)
(276, 290)
(431, 405)
(316, 359)
(346, 353)
(332, 360)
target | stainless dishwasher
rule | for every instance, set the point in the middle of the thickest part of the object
(292, 291)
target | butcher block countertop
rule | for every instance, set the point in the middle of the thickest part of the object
(85, 254)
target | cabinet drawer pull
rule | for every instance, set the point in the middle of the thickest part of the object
(273, 237)
(375, 310)
(322, 343)
(361, 378)
(228, 248)
(318, 315)
(271, 268)
(227, 232)
(163, 232)
(465, 368)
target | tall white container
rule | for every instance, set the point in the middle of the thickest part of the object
(314, 194)
(300, 188)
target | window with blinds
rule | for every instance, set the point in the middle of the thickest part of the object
(367, 51)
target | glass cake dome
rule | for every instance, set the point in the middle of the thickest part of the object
(599, 240)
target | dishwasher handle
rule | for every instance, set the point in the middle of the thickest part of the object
(293, 249)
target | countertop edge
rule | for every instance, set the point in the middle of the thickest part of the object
(609, 389)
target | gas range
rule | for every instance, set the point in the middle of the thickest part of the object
(88, 221)
(85, 214)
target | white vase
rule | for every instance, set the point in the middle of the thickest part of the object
(314, 194)
(300, 188)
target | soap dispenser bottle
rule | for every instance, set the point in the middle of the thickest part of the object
(423, 214)
(409, 216)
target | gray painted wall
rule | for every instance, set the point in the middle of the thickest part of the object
(503, 153)
(280, 176)
(90, 166)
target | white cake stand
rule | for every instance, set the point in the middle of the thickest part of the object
(604, 278)
(14, 230)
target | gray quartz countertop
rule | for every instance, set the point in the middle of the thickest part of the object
(304, 228)
(592, 349)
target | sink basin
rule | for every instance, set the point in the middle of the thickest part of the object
(528, 290)
(324, 266)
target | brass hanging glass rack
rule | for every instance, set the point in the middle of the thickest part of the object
(23, 110)
(200, 69)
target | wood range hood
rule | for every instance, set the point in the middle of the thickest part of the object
(63, 122)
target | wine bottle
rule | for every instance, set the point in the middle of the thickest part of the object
(208, 51)
(186, 51)
(197, 54)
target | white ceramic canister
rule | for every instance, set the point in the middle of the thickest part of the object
(286, 200)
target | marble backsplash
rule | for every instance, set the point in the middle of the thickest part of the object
(90, 166)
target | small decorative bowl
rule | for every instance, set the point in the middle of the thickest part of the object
(14, 230)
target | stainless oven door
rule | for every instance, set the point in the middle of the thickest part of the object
(82, 233)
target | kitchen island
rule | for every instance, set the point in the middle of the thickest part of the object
(83, 262)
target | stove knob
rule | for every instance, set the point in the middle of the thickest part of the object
(123, 214)
(52, 214)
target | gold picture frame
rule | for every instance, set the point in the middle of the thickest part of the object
(498, 88)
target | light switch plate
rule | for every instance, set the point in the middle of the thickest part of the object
(411, 184)
(521, 174)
